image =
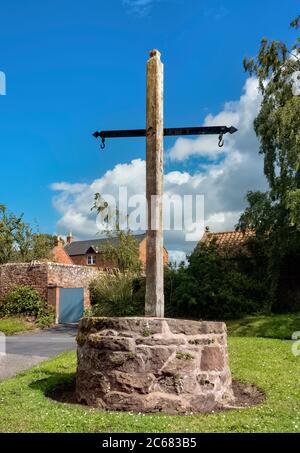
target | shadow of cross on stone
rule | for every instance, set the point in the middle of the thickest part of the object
(154, 133)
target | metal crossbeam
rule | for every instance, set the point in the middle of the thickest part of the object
(208, 130)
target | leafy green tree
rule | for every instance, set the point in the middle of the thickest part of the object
(42, 245)
(274, 215)
(122, 249)
(18, 242)
(10, 224)
(277, 125)
(214, 286)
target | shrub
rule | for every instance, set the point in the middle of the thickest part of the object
(46, 318)
(24, 300)
(116, 294)
(214, 287)
(211, 287)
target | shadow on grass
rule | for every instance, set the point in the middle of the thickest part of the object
(57, 386)
(61, 387)
(274, 326)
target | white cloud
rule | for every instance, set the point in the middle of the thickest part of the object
(176, 257)
(67, 187)
(240, 114)
(138, 7)
(223, 183)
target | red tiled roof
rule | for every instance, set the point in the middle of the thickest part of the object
(229, 243)
(227, 238)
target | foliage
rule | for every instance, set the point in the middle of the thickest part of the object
(211, 287)
(42, 245)
(24, 300)
(122, 248)
(214, 287)
(277, 125)
(123, 251)
(18, 242)
(274, 215)
(116, 294)
(46, 317)
(25, 405)
(9, 225)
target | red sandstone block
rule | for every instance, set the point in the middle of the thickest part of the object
(212, 358)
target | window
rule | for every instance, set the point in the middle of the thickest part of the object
(91, 260)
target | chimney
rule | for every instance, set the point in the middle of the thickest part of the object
(59, 242)
(70, 238)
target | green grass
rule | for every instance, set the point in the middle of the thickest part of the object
(15, 324)
(268, 363)
(272, 326)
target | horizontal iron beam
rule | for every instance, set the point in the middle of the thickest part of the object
(208, 130)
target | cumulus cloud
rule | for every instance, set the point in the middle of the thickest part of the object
(223, 181)
(138, 7)
(235, 113)
(177, 257)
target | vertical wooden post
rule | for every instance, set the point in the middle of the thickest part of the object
(154, 305)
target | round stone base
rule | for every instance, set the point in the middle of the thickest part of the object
(153, 365)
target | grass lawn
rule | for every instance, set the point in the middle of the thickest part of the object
(267, 363)
(272, 326)
(15, 324)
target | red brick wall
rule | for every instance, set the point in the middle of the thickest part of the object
(143, 253)
(59, 255)
(101, 263)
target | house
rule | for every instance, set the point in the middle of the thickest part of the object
(91, 252)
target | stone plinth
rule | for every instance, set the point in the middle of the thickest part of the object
(153, 365)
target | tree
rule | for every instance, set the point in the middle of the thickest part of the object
(42, 245)
(9, 226)
(274, 215)
(277, 125)
(18, 242)
(214, 286)
(122, 247)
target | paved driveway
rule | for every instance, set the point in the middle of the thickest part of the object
(26, 350)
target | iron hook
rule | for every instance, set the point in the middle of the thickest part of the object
(221, 140)
(102, 146)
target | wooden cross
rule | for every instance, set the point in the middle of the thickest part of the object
(154, 133)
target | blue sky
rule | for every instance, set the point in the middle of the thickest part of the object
(73, 67)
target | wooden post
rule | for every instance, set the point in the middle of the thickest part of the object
(154, 304)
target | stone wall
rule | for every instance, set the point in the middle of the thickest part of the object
(14, 274)
(71, 276)
(153, 365)
(44, 276)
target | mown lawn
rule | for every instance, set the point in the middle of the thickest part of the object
(268, 363)
(272, 326)
(15, 324)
